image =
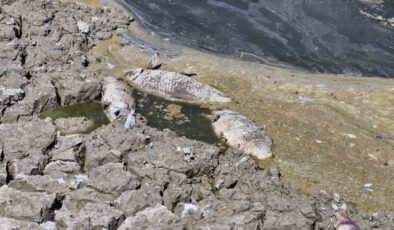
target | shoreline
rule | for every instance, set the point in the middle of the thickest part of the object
(277, 90)
(67, 61)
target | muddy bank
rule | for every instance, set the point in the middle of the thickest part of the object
(140, 177)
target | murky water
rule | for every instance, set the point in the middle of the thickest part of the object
(91, 110)
(189, 120)
(319, 35)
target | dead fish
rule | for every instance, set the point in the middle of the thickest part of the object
(117, 99)
(343, 220)
(242, 133)
(174, 86)
(154, 62)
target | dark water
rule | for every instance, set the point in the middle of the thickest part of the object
(317, 35)
(195, 124)
(92, 111)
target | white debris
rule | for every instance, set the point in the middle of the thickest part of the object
(109, 66)
(80, 178)
(368, 185)
(243, 160)
(351, 135)
(60, 180)
(337, 198)
(187, 208)
(49, 225)
(83, 27)
(179, 149)
(187, 150)
(305, 100)
(319, 141)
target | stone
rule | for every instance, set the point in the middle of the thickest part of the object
(38, 183)
(91, 216)
(72, 91)
(33, 206)
(69, 148)
(243, 134)
(158, 217)
(62, 168)
(12, 224)
(174, 86)
(134, 201)
(3, 174)
(74, 125)
(113, 178)
(21, 140)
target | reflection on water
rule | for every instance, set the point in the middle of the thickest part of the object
(91, 110)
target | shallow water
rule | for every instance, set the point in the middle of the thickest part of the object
(189, 120)
(320, 35)
(91, 110)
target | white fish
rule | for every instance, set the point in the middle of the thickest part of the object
(174, 86)
(117, 99)
(242, 133)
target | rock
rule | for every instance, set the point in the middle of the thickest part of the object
(62, 168)
(22, 140)
(117, 99)
(77, 199)
(11, 224)
(33, 206)
(72, 91)
(167, 157)
(98, 153)
(91, 216)
(158, 217)
(174, 86)
(33, 164)
(69, 148)
(9, 96)
(103, 35)
(39, 96)
(134, 201)
(83, 27)
(241, 133)
(112, 178)
(38, 183)
(73, 125)
(3, 174)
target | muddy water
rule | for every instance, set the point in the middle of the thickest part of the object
(92, 111)
(189, 120)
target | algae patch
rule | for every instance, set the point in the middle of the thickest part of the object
(189, 120)
(90, 110)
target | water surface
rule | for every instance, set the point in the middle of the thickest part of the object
(320, 35)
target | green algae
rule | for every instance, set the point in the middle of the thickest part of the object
(90, 110)
(189, 120)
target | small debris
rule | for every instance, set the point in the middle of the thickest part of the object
(368, 185)
(109, 66)
(187, 208)
(337, 198)
(83, 27)
(305, 100)
(319, 141)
